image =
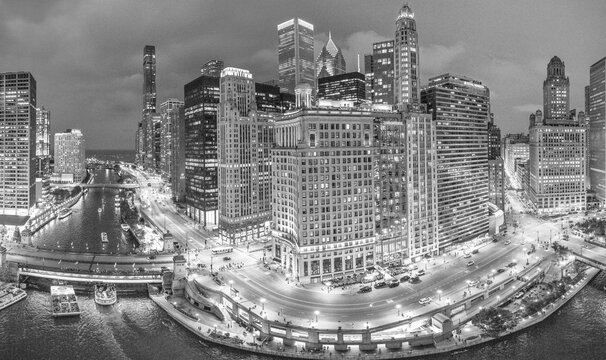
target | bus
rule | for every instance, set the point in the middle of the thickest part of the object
(222, 250)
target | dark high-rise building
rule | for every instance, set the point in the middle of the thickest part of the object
(18, 146)
(271, 100)
(556, 90)
(406, 59)
(149, 79)
(201, 103)
(177, 175)
(330, 62)
(212, 68)
(496, 169)
(587, 89)
(43, 154)
(349, 86)
(369, 77)
(383, 72)
(460, 109)
(597, 129)
(295, 54)
(494, 139)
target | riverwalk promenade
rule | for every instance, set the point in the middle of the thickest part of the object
(229, 333)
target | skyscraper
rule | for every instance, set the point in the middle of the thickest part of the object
(330, 62)
(295, 54)
(597, 128)
(212, 68)
(406, 59)
(496, 169)
(369, 77)
(42, 141)
(18, 145)
(149, 79)
(170, 111)
(146, 128)
(347, 86)
(177, 175)
(383, 72)
(70, 165)
(201, 103)
(556, 90)
(270, 99)
(244, 140)
(460, 108)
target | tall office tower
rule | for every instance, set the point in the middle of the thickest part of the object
(323, 194)
(460, 108)
(43, 154)
(177, 175)
(139, 144)
(587, 96)
(17, 144)
(212, 68)
(296, 54)
(270, 99)
(244, 140)
(149, 79)
(556, 91)
(383, 72)
(496, 171)
(201, 106)
(369, 77)
(152, 130)
(516, 149)
(557, 166)
(169, 114)
(70, 157)
(330, 62)
(348, 86)
(597, 129)
(406, 187)
(406, 60)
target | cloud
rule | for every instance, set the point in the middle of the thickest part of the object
(528, 108)
(436, 59)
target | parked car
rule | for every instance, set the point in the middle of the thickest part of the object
(507, 242)
(475, 251)
(500, 270)
(420, 272)
(414, 279)
(405, 278)
(425, 301)
(467, 255)
(413, 266)
(393, 283)
(511, 264)
(226, 258)
(379, 284)
(365, 289)
(470, 263)
(519, 295)
(474, 283)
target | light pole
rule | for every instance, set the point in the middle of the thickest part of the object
(316, 313)
(398, 308)
(263, 300)
(231, 284)
(439, 295)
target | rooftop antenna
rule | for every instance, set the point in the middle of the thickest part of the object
(358, 62)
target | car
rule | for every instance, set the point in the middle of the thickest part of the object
(380, 284)
(151, 257)
(507, 242)
(474, 283)
(218, 281)
(467, 255)
(511, 264)
(475, 251)
(470, 263)
(226, 258)
(365, 289)
(414, 279)
(393, 283)
(405, 278)
(413, 266)
(420, 272)
(500, 270)
(425, 301)
(519, 295)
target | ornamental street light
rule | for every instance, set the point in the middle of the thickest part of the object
(439, 295)
(263, 300)
(398, 308)
(316, 313)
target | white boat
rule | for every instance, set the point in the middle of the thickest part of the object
(105, 294)
(104, 238)
(100, 210)
(65, 212)
(125, 227)
(117, 200)
(10, 294)
(64, 301)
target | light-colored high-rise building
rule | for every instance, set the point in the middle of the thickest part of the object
(323, 193)
(295, 54)
(70, 157)
(43, 153)
(149, 79)
(244, 141)
(460, 109)
(18, 144)
(406, 59)
(170, 111)
(330, 62)
(556, 91)
(145, 130)
(596, 137)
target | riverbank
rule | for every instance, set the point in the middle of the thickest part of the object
(209, 329)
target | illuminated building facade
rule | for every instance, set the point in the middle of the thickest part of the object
(169, 114)
(460, 109)
(496, 166)
(383, 72)
(43, 154)
(144, 156)
(295, 54)
(556, 90)
(323, 193)
(596, 106)
(348, 86)
(369, 77)
(270, 99)
(212, 68)
(201, 106)
(406, 59)
(18, 145)
(515, 150)
(70, 157)
(330, 62)
(177, 158)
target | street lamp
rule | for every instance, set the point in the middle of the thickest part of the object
(398, 308)
(316, 313)
(263, 300)
(231, 284)
(439, 295)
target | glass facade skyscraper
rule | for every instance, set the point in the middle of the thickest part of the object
(349, 86)
(330, 62)
(383, 72)
(596, 104)
(70, 156)
(295, 54)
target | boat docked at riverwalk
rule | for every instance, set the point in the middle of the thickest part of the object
(64, 301)
(10, 294)
(65, 212)
(104, 238)
(105, 294)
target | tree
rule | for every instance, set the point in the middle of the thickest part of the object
(494, 321)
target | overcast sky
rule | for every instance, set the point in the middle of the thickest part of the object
(87, 55)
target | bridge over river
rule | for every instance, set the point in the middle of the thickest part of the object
(99, 186)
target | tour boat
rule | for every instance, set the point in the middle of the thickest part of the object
(104, 237)
(105, 294)
(10, 294)
(125, 227)
(65, 212)
(64, 301)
